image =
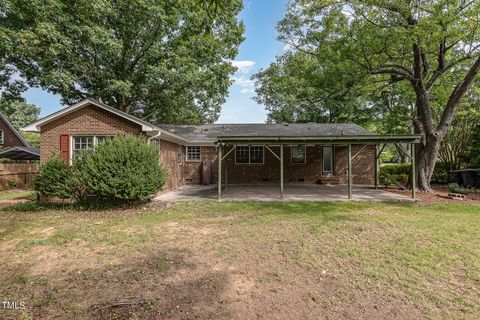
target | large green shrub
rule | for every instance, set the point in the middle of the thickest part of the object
(55, 179)
(393, 174)
(121, 169)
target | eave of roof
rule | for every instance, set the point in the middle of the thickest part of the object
(364, 139)
(150, 129)
(17, 134)
(35, 127)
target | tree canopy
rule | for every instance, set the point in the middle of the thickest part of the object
(412, 60)
(19, 112)
(167, 61)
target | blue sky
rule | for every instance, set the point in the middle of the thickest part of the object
(256, 52)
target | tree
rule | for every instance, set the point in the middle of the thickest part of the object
(18, 111)
(427, 44)
(163, 60)
(298, 87)
(455, 148)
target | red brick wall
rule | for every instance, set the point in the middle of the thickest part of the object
(88, 120)
(192, 169)
(310, 172)
(9, 137)
(169, 161)
(186, 172)
(363, 166)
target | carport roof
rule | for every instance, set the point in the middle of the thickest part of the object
(320, 139)
(21, 153)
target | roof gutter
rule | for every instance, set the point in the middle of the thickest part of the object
(149, 140)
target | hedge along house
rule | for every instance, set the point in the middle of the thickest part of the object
(225, 154)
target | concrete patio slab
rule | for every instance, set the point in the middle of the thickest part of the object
(272, 193)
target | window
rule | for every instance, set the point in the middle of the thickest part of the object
(298, 154)
(193, 153)
(86, 143)
(256, 154)
(242, 155)
(327, 159)
(249, 155)
(180, 154)
(2, 137)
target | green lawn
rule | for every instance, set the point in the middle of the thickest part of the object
(209, 260)
(14, 194)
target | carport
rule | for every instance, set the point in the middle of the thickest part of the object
(21, 153)
(227, 144)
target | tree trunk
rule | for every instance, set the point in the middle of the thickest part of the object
(426, 157)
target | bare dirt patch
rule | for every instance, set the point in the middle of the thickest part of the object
(262, 262)
(440, 195)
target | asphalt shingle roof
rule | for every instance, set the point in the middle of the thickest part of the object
(210, 132)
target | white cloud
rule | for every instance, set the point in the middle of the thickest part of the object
(242, 81)
(247, 90)
(243, 66)
(246, 85)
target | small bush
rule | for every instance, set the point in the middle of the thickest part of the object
(455, 188)
(12, 184)
(121, 169)
(55, 179)
(393, 174)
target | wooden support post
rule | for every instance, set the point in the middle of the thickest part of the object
(226, 181)
(376, 167)
(219, 175)
(281, 170)
(349, 171)
(414, 172)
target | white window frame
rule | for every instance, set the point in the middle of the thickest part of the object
(332, 161)
(95, 141)
(2, 136)
(199, 154)
(249, 155)
(304, 154)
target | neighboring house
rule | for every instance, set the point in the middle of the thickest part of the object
(251, 153)
(9, 136)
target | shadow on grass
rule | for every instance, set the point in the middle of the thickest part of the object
(160, 285)
(258, 212)
(34, 206)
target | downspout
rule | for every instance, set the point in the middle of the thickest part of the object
(149, 140)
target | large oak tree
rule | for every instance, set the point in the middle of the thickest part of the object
(167, 61)
(432, 46)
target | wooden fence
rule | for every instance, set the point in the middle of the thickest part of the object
(22, 175)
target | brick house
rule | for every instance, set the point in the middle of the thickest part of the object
(9, 136)
(13, 146)
(251, 153)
